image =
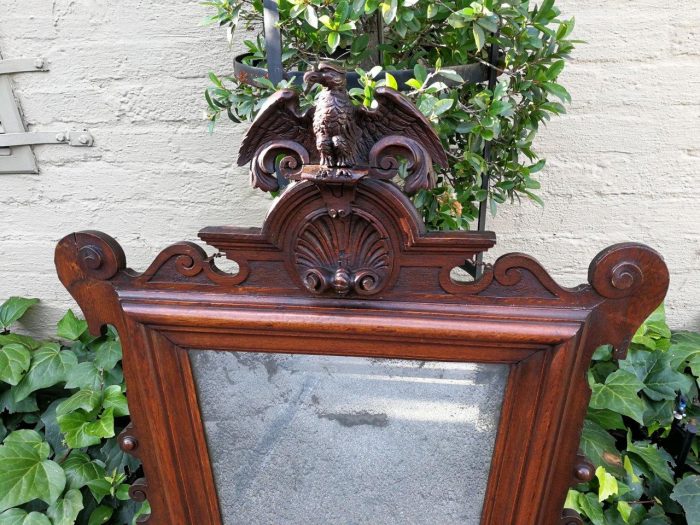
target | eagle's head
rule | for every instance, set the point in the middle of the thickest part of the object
(328, 75)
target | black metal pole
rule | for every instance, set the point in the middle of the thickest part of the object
(273, 41)
(483, 205)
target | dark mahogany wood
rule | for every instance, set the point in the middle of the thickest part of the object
(349, 269)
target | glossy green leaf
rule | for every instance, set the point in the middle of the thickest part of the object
(80, 469)
(607, 484)
(333, 40)
(27, 473)
(65, 510)
(82, 430)
(99, 488)
(22, 517)
(479, 36)
(100, 515)
(50, 365)
(619, 394)
(87, 400)
(116, 400)
(14, 362)
(687, 493)
(108, 354)
(658, 460)
(84, 375)
(13, 309)
(599, 446)
(70, 327)
(591, 508)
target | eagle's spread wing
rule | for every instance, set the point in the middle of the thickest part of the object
(396, 115)
(279, 119)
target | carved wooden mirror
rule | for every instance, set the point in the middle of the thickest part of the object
(343, 375)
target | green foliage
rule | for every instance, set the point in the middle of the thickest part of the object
(630, 434)
(61, 406)
(427, 37)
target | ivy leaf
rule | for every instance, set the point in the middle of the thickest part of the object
(687, 493)
(79, 429)
(116, 400)
(599, 446)
(50, 365)
(607, 419)
(619, 394)
(29, 342)
(80, 469)
(99, 488)
(84, 375)
(65, 511)
(20, 517)
(607, 484)
(108, 354)
(70, 327)
(656, 459)
(685, 352)
(87, 400)
(591, 508)
(100, 515)
(52, 432)
(104, 426)
(13, 309)
(654, 369)
(14, 362)
(27, 473)
(7, 402)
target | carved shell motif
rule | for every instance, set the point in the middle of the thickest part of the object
(342, 255)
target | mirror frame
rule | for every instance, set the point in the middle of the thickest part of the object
(404, 306)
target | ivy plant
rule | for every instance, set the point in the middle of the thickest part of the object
(640, 408)
(62, 403)
(427, 37)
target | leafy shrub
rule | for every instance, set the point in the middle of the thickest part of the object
(420, 36)
(61, 406)
(638, 410)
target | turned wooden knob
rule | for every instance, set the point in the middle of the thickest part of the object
(584, 472)
(129, 443)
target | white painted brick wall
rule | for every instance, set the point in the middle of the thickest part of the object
(623, 164)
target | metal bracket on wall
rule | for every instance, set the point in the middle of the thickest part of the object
(15, 142)
(31, 138)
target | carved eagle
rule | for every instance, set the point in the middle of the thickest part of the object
(337, 133)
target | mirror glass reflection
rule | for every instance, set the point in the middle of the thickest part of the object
(302, 439)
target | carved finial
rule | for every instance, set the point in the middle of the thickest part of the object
(337, 141)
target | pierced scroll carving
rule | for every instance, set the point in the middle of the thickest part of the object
(188, 260)
(267, 162)
(343, 255)
(385, 162)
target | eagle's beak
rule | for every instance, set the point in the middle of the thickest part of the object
(310, 79)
